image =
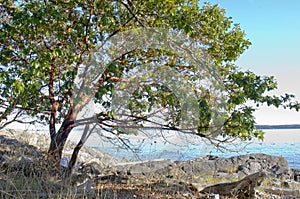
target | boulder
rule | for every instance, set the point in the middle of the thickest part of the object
(251, 163)
(199, 166)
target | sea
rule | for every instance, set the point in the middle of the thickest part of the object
(151, 145)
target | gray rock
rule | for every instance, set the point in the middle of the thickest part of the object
(24, 162)
(198, 166)
(105, 179)
(149, 168)
(26, 165)
(2, 159)
(89, 155)
(252, 163)
(64, 162)
(33, 143)
(242, 165)
(296, 174)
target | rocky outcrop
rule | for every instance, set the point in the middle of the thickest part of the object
(33, 143)
(240, 174)
(233, 167)
(237, 166)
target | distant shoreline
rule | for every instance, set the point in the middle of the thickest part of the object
(283, 126)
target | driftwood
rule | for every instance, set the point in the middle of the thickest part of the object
(281, 191)
(242, 189)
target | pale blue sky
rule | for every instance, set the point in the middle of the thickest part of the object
(273, 27)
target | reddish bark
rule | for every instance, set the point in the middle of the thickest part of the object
(59, 138)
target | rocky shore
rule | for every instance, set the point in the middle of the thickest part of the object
(100, 175)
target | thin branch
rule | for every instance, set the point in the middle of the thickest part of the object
(11, 121)
(132, 13)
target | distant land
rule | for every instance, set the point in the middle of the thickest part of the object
(283, 126)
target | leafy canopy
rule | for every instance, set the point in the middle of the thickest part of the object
(43, 44)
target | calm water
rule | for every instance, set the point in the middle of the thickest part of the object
(284, 143)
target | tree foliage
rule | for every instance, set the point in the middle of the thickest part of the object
(43, 43)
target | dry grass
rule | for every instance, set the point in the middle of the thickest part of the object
(18, 184)
(33, 177)
(25, 173)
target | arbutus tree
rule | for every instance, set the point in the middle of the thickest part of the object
(50, 69)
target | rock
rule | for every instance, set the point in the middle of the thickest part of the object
(89, 155)
(105, 179)
(251, 163)
(242, 189)
(4, 149)
(26, 165)
(198, 166)
(98, 167)
(12, 140)
(2, 159)
(237, 166)
(24, 162)
(84, 171)
(145, 168)
(64, 162)
(296, 174)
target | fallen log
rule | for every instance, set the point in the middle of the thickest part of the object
(243, 188)
(281, 191)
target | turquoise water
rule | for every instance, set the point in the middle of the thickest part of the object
(284, 143)
(290, 151)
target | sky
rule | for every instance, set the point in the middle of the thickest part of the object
(273, 27)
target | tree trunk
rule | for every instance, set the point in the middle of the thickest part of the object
(58, 139)
(85, 135)
(74, 156)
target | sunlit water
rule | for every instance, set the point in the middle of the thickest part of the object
(284, 143)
